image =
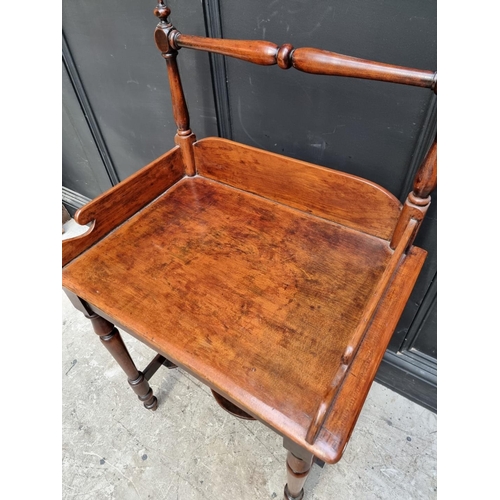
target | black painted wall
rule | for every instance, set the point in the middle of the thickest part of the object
(117, 108)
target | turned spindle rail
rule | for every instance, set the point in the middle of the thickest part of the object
(306, 59)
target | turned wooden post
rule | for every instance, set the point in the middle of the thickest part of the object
(419, 200)
(297, 471)
(184, 137)
(113, 342)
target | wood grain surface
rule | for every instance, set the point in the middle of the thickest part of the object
(117, 204)
(276, 282)
(351, 396)
(336, 196)
(257, 299)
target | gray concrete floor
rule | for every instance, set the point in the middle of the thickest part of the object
(191, 449)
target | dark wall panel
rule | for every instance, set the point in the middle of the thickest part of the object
(124, 76)
(82, 167)
(366, 128)
(423, 342)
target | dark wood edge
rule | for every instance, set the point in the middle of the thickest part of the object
(73, 247)
(426, 177)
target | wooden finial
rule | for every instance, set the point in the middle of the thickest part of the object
(162, 12)
(163, 28)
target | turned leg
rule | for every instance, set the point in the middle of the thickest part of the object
(113, 342)
(297, 471)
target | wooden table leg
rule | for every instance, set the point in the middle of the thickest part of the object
(113, 342)
(297, 471)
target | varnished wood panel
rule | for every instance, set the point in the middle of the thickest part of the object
(344, 198)
(352, 395)
(123, 200)
(256, 299)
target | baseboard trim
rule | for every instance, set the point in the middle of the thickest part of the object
(73, 200)
(407, 378)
